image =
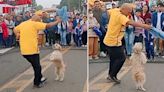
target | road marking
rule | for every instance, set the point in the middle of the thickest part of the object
(85, 86)
(2, 51)
(98, 77)
(104, 87)
(28, 71)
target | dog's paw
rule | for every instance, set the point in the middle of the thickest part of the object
(61, 79)
(57, 78)
(137, 88)
(143, 89)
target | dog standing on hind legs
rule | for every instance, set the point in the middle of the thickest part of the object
(57, 58)
(138, 59)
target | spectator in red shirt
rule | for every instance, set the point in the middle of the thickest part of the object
(4, 32)
(145, 12)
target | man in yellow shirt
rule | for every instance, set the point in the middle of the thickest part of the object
(116, 29)
(27, 33)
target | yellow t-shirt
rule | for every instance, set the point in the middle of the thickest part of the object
(28, 36)
(116, 28)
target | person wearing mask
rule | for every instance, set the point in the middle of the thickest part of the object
(93, 37)
(51, 31)
(158, 22)
(83, 23)
(115, 33)
(27, 33)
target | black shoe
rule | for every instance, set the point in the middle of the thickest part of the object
(43, 80)
(116, 80)
(109, 78)
(38, 86)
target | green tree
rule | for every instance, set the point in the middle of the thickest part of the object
(39, 7)
(71, 4)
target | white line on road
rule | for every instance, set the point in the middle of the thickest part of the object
(7, 85)
(2, 51)
(104, 87)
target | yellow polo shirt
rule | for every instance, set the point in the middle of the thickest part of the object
(116, 28)
(29, 36)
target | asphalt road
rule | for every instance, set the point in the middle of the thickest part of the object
(20, 78)
(99, 69)
(12, 64)
(75, 75)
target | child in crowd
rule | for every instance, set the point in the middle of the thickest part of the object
(149, 42)
(84, 29)
(78, 35)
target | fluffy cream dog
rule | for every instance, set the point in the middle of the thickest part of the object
(57, 58)
(138, 59)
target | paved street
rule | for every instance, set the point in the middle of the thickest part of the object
(75, 76)
(154, 80)
(99, 70)
(12, 63)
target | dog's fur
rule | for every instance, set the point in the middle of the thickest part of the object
(57, 58)
(138, 59)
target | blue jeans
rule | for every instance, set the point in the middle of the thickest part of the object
(63, 37)
(1, 40)
(10, 40)
(78, 39)
(6, 42)
(129, 40)
(149, 49)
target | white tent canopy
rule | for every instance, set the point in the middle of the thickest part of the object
(7, 5)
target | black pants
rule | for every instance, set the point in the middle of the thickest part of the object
(117, 59)
(102, 45)
(35, 62)
(74, 38)
(68, 38)
(51, 37)
(84, 38)
(138, 38)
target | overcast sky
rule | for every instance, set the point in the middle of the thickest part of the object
(47, 3)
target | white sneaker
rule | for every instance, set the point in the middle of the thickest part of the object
(90, 58)
(96, 58)
(43, 80)
(102, 54)
(162, 56)
(47, 44)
